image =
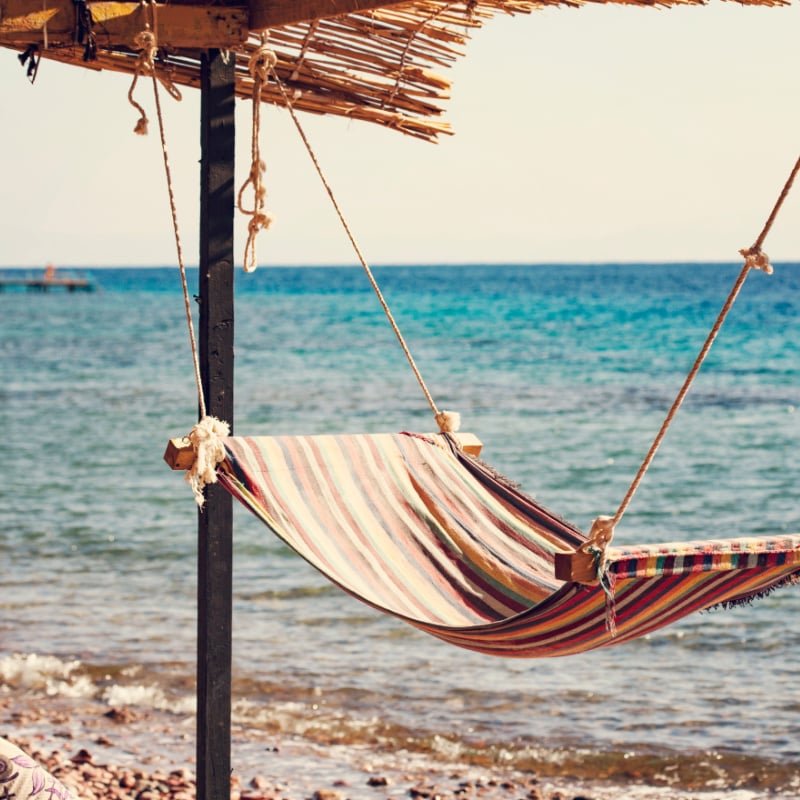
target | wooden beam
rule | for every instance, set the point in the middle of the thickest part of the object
(215, 521)
(271, 13)
(180, 455)
(118, 23)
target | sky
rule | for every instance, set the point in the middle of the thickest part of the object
(592, 135)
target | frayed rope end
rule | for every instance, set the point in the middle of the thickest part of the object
(206, 440)
(448, 421)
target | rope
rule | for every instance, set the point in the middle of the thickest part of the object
(602, 530)
(146, 43)
(301, 56)
(206, 436)
(201, 401)
(145, 63)
(261, 62)
(448, 421)
(404, 55)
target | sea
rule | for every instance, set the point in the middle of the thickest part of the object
(564, 372)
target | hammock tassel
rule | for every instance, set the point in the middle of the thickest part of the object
(206, 441)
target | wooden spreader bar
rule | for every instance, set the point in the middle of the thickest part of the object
(576, 566)
(179, 454)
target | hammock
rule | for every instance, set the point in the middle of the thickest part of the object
(426, 533)
(423, 532)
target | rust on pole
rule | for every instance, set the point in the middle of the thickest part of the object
(215, 521)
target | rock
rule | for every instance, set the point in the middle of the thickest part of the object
(82, 757)
(327, 794)
(259, 782)
(121, 715)
(377, 780)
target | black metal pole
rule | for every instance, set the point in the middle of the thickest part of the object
(215, 522)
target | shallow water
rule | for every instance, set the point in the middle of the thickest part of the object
(564, 372)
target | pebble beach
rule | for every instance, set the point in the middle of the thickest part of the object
(124, 753)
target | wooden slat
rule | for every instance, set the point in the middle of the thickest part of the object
(118, 23)
(271, 13)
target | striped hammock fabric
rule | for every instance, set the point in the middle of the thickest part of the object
(431, 536)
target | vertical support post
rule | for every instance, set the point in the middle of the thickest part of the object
(215, 521)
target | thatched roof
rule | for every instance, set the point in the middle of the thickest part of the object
(379, 64)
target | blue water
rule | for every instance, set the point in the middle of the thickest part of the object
(564, 372)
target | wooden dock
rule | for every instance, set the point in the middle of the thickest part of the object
(45, 282)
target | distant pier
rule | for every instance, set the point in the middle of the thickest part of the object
(45, 282)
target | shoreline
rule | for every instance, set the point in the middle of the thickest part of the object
(129, 753)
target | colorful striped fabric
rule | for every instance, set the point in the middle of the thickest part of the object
(433, 537)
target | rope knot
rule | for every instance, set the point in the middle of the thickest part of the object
(206, 440)
(600, 536)
(756, 258)
(261, 62)
(448, 421)
(145, 43)
(601, 533)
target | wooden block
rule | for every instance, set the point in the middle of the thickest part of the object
(468, 442)
(118, 23)
(179, 453)
(576, 566)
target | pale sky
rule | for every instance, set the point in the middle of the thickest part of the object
(591, 135)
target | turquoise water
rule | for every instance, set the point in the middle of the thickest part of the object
(564, 372)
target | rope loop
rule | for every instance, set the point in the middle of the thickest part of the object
(261, 63)
(145, 43)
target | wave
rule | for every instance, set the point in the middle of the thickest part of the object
(350, 718)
